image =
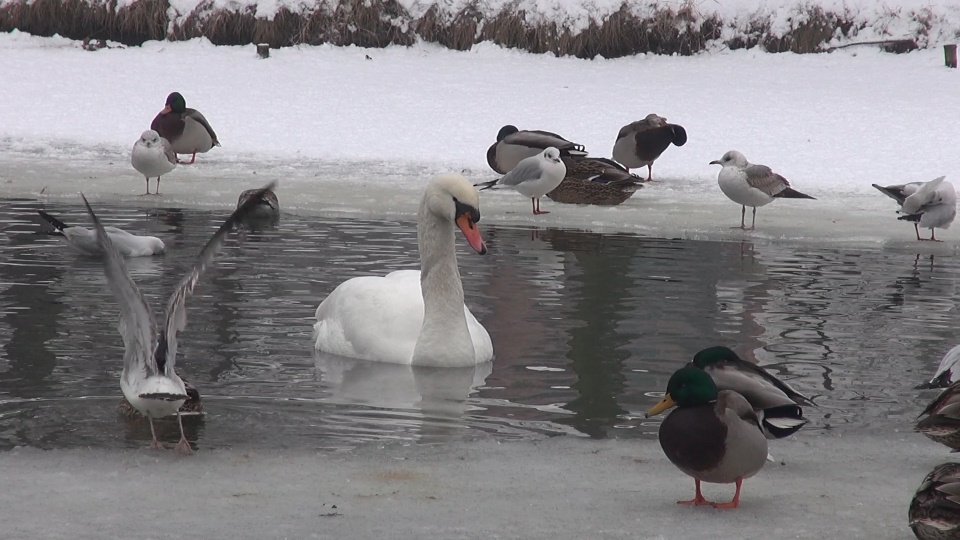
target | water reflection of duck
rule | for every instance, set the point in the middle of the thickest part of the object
(713, 436)
(597, 181)
(935, 509)
(942, 418)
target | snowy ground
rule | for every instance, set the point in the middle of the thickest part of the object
(856, 486)
(345, 133)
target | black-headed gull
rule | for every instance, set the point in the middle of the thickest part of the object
(152, 157)
(534, 177)
(84, 240)
(149, 381)
(929, 205)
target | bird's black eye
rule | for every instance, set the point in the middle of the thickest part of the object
(467, 209)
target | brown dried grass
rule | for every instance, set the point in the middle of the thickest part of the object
(459, 32)
(74, 19)
(378, 23)
(141, 21)
(806, 36)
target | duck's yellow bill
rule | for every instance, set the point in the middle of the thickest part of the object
(664, 404)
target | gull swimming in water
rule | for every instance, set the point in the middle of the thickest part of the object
(152, 156)
(749, 184)
(927, 204)
(149, 382)
(187, 129)
(84, 240)
(513, 145)
(534, 177)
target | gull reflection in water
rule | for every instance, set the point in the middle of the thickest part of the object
(439, 395)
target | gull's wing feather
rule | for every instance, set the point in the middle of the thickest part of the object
(923, 197)
(176, 318)
(168, 148)
(528, 169)
(763, 178)
(137, 325)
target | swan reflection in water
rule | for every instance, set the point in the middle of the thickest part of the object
(438, 397)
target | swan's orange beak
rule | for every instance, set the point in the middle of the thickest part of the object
(471, 233)
(167, 109)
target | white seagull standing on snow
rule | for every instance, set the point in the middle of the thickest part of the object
(149, 381)
(749, 184)
(152, 156)
(84, 240)
(534, 177)
(927, 204)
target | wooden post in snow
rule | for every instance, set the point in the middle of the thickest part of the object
(950, 55)
(263, 50)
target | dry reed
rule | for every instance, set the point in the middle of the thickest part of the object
(378, 23)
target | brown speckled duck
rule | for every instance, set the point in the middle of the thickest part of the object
(713, 436)
(641, 143)
(265, 212)
(942, 418)
(186, 129)
(513, 146)
(935, 509)
(597, 181)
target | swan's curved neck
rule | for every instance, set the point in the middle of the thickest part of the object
(444, 337)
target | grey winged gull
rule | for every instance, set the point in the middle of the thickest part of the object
(749, 184)
(149, 381)
(534, 177)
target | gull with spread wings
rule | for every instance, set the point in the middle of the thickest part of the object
(149, 381)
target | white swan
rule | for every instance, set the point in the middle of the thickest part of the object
(410, 316)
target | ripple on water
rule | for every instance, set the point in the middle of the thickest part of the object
(587, 328)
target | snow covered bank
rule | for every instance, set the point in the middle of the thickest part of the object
(607, 28)
(855, 486)
(348, 134)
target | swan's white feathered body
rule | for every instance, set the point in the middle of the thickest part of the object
(409, 316)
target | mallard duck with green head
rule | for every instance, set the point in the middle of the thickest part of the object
(777, 403)
(942, 418)
(186, 129)
(935, 509)
(713, 435)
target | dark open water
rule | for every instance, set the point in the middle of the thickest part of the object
(586, 327)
